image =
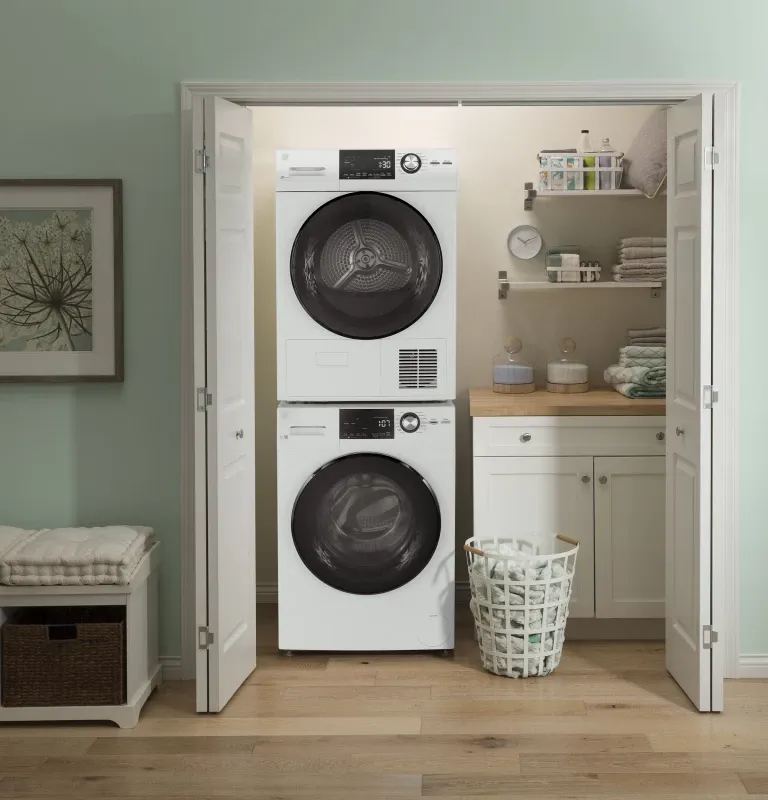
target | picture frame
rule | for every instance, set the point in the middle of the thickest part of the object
(61, 280)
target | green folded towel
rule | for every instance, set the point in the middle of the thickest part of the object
(643, 376)
(635, 390)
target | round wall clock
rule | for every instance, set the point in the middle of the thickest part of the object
(524, 242)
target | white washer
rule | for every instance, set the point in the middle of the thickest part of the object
(366, 275)
(366, 536)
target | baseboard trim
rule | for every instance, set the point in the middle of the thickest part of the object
(171, 666)
(753, 666)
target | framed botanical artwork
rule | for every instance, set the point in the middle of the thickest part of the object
(61, 280)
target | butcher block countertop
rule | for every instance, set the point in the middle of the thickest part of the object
(541, 403)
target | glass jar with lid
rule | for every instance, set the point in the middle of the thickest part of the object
(512, 374)
(566, 374)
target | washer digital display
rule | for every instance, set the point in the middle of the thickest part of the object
(366, 164)
(366, 423)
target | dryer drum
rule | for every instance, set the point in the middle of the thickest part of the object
(366, 524)
(366, 265)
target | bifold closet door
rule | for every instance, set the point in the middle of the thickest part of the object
(547, 495)
(227, 578)
(689, 414)
(629, 537)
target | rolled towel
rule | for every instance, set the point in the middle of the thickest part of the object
(643, 376)
(644, 241)
(642, 252)
(635, 390)
(626, 361)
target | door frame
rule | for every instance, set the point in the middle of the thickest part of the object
(725, 512)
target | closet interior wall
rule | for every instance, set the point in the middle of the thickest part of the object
(497, 149)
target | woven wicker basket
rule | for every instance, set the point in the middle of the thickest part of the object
(64, 657)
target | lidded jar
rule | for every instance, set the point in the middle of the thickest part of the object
(512, 374)
(567, 374)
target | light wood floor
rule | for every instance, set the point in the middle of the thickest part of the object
(608, 723)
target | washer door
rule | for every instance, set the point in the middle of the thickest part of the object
(366, 524)
(366, 265)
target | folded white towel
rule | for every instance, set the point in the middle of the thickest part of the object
(644, 241)
(652, 351)
(75, 556)
(642, 252)
(629, 361)
(634, 332)
(10, 537)
(653, 340)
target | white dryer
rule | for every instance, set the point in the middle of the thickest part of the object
(366, 275)
(366, 538)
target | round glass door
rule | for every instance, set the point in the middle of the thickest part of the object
(366, 524)
(366, 265)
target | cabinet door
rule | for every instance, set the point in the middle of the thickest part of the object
(541, 495)
(629, 537)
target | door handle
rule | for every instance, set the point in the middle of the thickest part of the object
(603, 479)
(679, 431)
(239, 434)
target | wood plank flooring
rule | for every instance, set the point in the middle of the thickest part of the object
(609, 723)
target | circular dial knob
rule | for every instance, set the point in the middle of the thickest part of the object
(410, 422)
(410, 162)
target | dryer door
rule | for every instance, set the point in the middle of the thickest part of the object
(366, 265)
(366, 524)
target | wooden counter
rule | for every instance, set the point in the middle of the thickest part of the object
(598, 402)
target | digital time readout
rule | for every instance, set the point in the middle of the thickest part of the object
(366, 165)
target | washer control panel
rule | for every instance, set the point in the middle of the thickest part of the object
(366, 423)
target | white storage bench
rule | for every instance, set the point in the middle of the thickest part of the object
(142, 674)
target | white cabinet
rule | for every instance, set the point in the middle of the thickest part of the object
(629, 537)
(517, 495)
(597, 479)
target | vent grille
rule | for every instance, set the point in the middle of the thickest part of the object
(418, 369)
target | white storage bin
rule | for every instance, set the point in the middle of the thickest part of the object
(521, 589)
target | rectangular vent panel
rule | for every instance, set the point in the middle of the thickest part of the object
(417, 369)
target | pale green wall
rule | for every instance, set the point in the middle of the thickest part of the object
(89, 88)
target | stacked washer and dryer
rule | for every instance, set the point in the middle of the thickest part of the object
(366, 375)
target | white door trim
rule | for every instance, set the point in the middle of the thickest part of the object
(725, 531)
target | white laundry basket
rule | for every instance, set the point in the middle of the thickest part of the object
(521, 588)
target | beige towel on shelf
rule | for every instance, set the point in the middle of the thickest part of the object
(644, 241)
(641, 263)
(642, 252)
(631, 333)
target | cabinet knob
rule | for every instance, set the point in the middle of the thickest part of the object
(603, 479)
(526, 437)
(679, 431)
(661, 436)
(585, 479)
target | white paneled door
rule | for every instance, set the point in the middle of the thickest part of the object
(229, 577)
(689, 417)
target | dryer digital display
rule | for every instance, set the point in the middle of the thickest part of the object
(366, 423)
(366, 164)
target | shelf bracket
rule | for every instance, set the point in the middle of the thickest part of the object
(503, 284)
(530, 196)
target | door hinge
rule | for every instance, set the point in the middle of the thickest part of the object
(204, 398)
(711, 396)
(202, 161)
(710, 637)
(711, 157)
(204, 637)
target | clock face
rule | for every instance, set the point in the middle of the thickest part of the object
(524, 242)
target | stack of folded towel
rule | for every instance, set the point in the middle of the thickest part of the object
(642, 258)
(642, 367)
(72, 556)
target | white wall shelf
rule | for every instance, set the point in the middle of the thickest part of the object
(532, 194)
(505, 286)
